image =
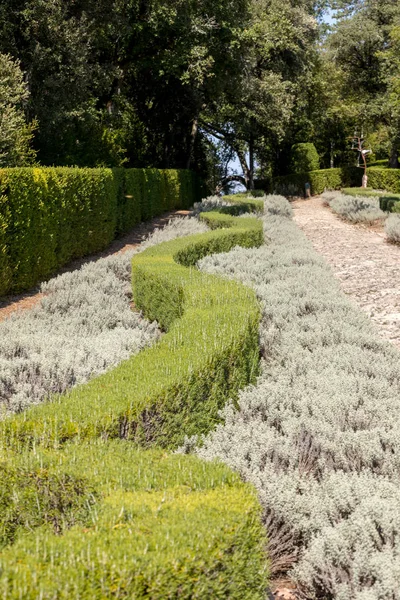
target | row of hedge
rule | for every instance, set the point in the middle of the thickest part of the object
(106, 520)
(335, 179)
(50, 216)
(387, 202)
(176, 387)
(83, 515)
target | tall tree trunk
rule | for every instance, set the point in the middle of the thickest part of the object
(245, 168)
(251, 162)
(192, 140)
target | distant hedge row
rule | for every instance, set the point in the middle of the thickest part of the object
(335, 179)
(49, 216)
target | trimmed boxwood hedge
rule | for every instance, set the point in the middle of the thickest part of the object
(335, 179)
(178, 386)
(101, 518)
(49, 216)
(332, 179)
(107, 520)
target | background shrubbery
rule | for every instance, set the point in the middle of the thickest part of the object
(335, 179)
(304, 158)
(50, 216)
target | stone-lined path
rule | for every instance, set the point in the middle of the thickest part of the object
(367, 267)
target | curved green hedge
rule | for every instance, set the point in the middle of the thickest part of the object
(178, 386)
(99, 518)
(105, 520)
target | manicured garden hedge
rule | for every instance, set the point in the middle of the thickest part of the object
(49, 216)
(101, 518)
(333, 179)
(106, 520)
(384, 179)
(178, 386)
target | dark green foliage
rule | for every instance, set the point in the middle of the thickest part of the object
(304, 158)
(380, 164)
(384, 179)
(218, 220)
(244, 203)
(178, 386)
(138, 524)
(331, 179)
(49, 216)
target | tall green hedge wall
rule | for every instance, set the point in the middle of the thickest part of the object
(335, 179)
(49, 216)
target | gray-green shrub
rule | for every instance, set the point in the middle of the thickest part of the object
(277, 205)
(318, 435)
(357, 209)
(392, 228)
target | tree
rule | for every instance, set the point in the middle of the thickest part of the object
(15, 133)
(359, 47)
(256, 111)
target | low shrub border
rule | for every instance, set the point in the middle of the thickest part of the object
(48, 216)
(104, 519)
(318, 435)
(387, 202)
(178, 386)
(335, 179)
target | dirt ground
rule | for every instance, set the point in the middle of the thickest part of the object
(27, 300)
(367, 266)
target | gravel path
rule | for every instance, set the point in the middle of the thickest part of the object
(367, 267)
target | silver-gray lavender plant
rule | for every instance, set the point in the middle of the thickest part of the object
(357, 209)
(392, 228)
(82, 327)
(319, 434)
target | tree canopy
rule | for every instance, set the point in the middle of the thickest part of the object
(190, 84)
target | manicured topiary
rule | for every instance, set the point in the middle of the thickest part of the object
(304, 158)
(106, 520)
(178, 386)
